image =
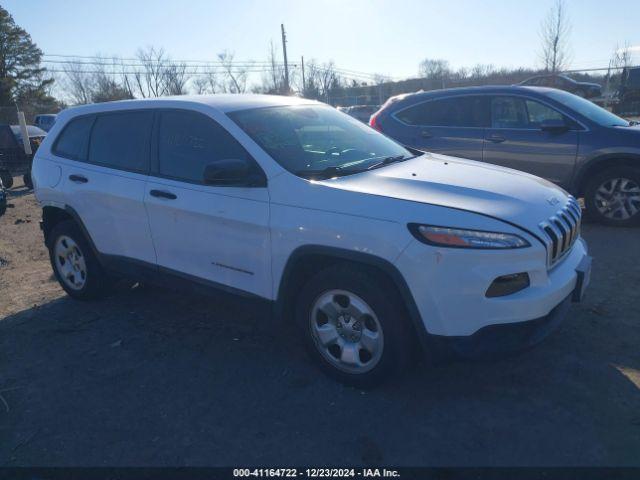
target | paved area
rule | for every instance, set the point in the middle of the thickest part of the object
(156, 378)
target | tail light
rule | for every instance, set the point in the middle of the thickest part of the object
(374, 122)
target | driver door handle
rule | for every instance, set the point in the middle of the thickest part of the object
(426, 134)
(78, 178)
(163, 194)
(495, 138)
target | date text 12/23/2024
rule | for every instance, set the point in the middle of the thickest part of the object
(316, 473)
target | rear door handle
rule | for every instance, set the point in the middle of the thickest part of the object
(496, 138)
(78, 178)
(163, 194)
(426, 134)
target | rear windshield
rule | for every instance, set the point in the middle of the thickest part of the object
(588, 109)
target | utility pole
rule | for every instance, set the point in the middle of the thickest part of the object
(303, 83)
(286, 64)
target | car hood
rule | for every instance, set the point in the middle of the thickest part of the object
(516, 197)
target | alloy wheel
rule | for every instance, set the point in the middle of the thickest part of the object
(618, 198)
(70, 262)
(346, 331)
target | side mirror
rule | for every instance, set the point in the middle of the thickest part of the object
(554, 126)
(231, 172)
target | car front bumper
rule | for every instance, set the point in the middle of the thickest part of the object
(495, 340)
(449, 288)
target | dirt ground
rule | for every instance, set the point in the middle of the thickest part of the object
(156, 378)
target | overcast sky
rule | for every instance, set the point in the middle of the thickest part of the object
(375, 36)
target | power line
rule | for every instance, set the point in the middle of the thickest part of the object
(128, 64)
(126, 59)
(135, 72)
(212, 64)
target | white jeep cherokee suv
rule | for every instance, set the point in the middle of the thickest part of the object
(368, 246)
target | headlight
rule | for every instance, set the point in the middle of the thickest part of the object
(460, 238)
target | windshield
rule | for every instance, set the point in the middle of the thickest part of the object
(588, 109)
(316, 139)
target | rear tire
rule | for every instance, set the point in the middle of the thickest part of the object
(74, 264)
(7, 179)
(354, 325)
(612, 197)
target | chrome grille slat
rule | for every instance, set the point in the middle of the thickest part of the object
(570, 225)
(561, 231)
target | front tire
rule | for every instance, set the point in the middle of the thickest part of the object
(612, 197)
(353, 325)
(7, 179)
(74, 264)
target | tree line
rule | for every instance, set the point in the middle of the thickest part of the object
(27, 84)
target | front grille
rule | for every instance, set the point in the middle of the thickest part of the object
(561, 231)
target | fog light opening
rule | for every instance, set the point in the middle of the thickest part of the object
(508, 284)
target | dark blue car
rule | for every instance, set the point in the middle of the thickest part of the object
(550, 133)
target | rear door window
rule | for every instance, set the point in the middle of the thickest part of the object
(121, 140)
(73, 141)
(189, 141)
(464, 111)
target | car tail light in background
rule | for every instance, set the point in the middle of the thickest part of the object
(374, 122)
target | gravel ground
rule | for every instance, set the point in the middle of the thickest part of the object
(156, 378)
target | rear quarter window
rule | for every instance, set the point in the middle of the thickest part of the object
(462, 111)
(73, 141)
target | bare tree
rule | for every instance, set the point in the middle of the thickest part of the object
(434, 68)
(554, 34)
(93, 81)
(436, 71)
(175, 79)
(621, 57)
(311, 88)
(273, 80)
(149, 79)
(157, 75)
(104, 85)
(206, 82)
(480, 72)
(328, 79)
(235, 77)
(77, 83)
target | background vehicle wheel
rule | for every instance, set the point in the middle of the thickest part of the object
(354, 325)
(7, 179)
(74, 264)
(26, 178)
(612, 197)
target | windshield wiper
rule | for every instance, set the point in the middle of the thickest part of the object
(329, 172)
(342, 170)
(388, 160)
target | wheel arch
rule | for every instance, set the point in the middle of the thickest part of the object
(601, 163)
(53, 215)
(306, 260)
